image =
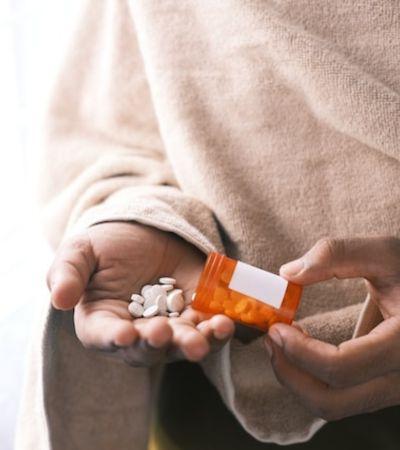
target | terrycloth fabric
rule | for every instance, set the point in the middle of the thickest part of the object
(251, 127)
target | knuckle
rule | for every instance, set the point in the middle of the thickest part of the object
(79, 244)
(336, 369)
(328, 249)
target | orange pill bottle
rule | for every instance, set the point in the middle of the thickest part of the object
(245, 293)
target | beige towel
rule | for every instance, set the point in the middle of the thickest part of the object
(251, 127)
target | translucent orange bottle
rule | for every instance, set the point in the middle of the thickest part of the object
(245, 293)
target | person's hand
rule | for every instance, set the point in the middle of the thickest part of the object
(360, 375)
(97, 271)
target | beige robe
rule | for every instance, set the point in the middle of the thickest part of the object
(254, 127)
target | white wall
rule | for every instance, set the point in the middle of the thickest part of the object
(33, 37)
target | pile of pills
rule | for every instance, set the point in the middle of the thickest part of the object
(161, 299)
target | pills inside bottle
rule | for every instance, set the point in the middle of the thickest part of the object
(245, 293)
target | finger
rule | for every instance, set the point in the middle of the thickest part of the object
(223, 327)
(369, 258)
(191, 315)
(195, 317)
(153, 337)
(103, 330)
(156, 331)
(352, 362)
(219, 327)
(330, 403)
(70, 272)
(193, 345)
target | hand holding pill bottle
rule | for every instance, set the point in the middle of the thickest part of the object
(245, 293)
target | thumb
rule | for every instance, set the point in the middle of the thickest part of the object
(70, 272)
(369, 258)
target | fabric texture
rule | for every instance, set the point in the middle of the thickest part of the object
(197, 419)
(250, 127)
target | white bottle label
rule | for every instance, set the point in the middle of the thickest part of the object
(259, 284)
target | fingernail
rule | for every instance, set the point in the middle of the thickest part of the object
(268, 346)
(293, 268)
(275, 336)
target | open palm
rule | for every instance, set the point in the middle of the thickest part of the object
(96, 273)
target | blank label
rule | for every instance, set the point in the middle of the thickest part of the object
(259, 284)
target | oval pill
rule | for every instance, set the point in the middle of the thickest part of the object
(145, 288)
(157, 289)
(161, 302)
(167, 287)
(136, 309)
(167, 280)
(149, 302)
(137, 298)
(151, 312)
(173, 314)
(151, 295)
(175, 301)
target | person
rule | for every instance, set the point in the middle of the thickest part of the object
(264, 130)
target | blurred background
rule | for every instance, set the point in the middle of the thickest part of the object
(33, 39)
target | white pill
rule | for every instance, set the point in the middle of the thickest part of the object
(136, 309)
(167, 287)
(151, 295)
(167, 280)
(149, 302)
(174, 314)
(137, 298)
(175, 302)
(177, 291)
(156, 290)
(151, 312)
(145, 288)
(161, 302)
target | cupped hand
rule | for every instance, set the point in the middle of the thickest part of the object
(360, 375)
(97, 271)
